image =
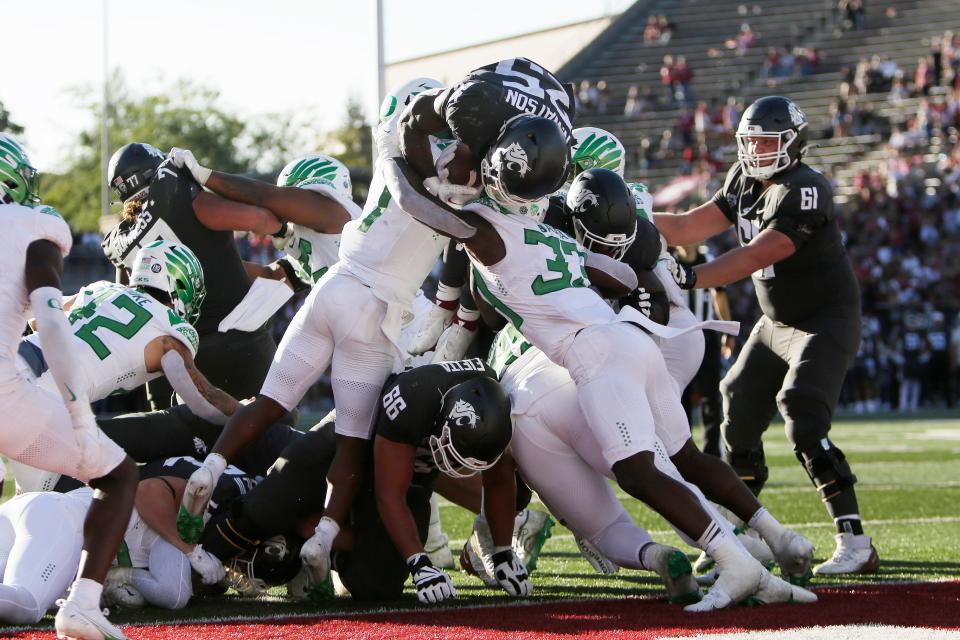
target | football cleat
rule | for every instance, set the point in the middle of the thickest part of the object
(774, 590)
(531, 528)
(703, 563)
(74, 623)
(477, 555)
(119, 592)
(674, 569)
(599, 562)
(738, 580)
(755, 545)
(453, 343)
(438, 550)
(794, 554)
(854, 554)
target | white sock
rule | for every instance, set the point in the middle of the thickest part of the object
(711, 538)
(86, 593)
(766, 525)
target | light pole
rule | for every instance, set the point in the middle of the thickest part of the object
(104, 125)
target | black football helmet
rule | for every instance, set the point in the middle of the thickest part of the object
(475, 428)
(274, 562)
(604, 212)
(529, 160)
(131, 168)
(773, 117)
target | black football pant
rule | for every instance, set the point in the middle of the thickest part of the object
(706, 384)
(235, 361)
(798, 370)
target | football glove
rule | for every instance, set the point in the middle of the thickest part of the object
(201, 484)
(453, 344)
(453, 195)
(683, 275)
(433, 585)
(184, 158)
(207, 565)
(438, 319)
(511, 574)
(639, 299)
(445, 158)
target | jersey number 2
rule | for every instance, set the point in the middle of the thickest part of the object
(140, 318)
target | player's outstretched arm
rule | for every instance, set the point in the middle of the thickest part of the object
(768, 247)
(695, 225)
(393, 472)
(43, 270)
(175, 360)
(499, 506)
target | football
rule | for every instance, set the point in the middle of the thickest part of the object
(463, 168)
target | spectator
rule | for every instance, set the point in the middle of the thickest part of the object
(666, 78)
(854, 14)
(666, 28)
(587, 97)
(651, 33)
(745, 39)
(682, 81)
(602, 97)
(635, 104)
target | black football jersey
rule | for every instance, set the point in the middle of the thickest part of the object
(411, 401)
(799, 204)
(168, 215)
(477, 107)
(231, 485)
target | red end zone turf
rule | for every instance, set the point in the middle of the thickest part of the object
(931, 605)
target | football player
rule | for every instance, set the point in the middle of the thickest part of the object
(351, 323)
(798, 352)
(537, 278)
(312, 214)
(45, 531)
(124, 336)
(62, 435)
(162, 201)
(481, 112)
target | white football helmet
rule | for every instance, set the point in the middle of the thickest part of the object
(594, 147)
(318, 169)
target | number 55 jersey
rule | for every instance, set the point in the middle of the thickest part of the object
(112, 325)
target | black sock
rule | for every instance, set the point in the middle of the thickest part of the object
(850, 525)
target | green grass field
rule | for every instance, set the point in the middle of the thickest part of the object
(909, 489)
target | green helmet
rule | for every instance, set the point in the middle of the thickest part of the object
(174, 269)
(596, 148)
(19, 182)
(317, 169)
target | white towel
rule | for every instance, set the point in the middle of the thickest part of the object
(263, 300)
(629, 314)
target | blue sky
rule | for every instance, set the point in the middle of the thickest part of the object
(263, 57)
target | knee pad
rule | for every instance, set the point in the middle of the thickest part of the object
(827, 468)
(750, 465)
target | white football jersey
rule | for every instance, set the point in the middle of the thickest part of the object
(112, 325)
(541, 285)
(22, 225)
(387, 249)
(310, 252)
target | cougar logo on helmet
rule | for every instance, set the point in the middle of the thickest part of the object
(516, 159)
(582, 198)
(463, 414)
(796, 116)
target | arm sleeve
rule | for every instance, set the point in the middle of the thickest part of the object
(614, 268)
(166, 583)
(799, 212)
(56, 340)
(176, 372)
(421, 208)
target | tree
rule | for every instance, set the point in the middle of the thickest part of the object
(352, 144)
(183, 115)
(6, 124)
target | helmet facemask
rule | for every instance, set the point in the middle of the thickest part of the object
(175, 270)
(598, 148)
(614, 245)
(764, 166)
(450, 461)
